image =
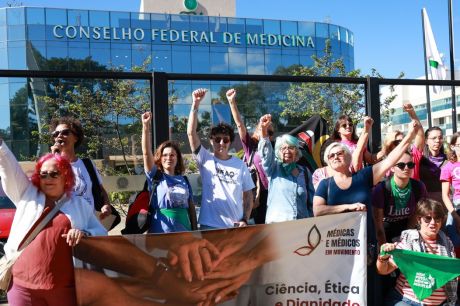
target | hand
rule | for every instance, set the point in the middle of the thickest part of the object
(73, 236)
(195, 254)
(265, 122)
(357, 207)
(368, 122)
(198, 95)
(56, 148)
(106, 211)
(146, 118)
(231, 95)
(387, 247)
(240, 224)
(408, 108)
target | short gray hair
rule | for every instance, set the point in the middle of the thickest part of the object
(332, 146)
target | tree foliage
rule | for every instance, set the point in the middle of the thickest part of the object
(328, 100)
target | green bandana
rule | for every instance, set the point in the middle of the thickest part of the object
(287, 168)
(425, 272)
(400, 195)
(178, 214)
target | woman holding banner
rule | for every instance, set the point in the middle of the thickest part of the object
(428, 238)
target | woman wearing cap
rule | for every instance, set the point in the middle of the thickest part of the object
(290, 189)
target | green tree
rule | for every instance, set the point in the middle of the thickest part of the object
(328, 100)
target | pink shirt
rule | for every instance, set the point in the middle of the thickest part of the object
(416, 157)
(351, 145)
(450, 172)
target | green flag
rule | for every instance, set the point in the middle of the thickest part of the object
(425, 272)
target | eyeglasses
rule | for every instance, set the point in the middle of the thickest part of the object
(402, 165)
(344, 125)
(49, 174)
(336, 154)
(427, 219)
(440, 138)
(290, 148)
(218, 139)
(64, 132)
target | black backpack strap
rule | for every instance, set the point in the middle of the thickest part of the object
(96, 188)
(416, 189)
(153, 204)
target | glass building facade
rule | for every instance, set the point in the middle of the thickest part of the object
(81, 40)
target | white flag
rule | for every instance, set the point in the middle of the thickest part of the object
(436, 67)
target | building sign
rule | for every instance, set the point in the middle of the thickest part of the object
(182, 36)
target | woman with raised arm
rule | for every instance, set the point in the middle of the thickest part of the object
(173, 206)
(290, 191)
(252, 158)
(44, 274)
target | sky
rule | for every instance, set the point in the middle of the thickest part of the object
(388, 34)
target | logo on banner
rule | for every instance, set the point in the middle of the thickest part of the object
(313, 240)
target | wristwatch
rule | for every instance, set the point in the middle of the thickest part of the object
(160, 268)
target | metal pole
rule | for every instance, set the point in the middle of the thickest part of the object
(452, 68)
(160, 108)
(373, 110)
(428, 101)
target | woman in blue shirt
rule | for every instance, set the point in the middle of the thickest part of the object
(174, 209)
(290, 189)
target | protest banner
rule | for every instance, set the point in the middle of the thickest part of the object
(316, 261)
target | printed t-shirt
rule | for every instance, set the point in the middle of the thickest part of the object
(173, 195)
(450, 172)
(224, 182)
(83, 184)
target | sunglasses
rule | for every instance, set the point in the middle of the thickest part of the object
(64, 132)
(337, 154)
(344, 125)
(49, 174)
(427, 219)
(290, 148)
(219, 139)
(402, 165)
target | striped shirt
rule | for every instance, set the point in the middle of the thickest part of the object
(403, 287)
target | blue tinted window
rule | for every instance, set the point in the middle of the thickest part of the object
(140, 20)
(17, 55)
(289, 60)
(56, 16)
(3, 56)
(237, 61)
(255, 60)
(15, 16)
(78, 18)
(99, 19)
(180, 22)
(217, 24)
(200, 60)
(305, 58)
(140, 53)
(2, 16)
(160, 21)
(272, 60)
(219, 62)
(272, 27)
(17, 32)
(181, 59)
(182, 90)
(35, 15)
(121, 56)
(56, 50)
(36, 58)
(78, 53)
(36, 32)
(236, 25)
(120, 20)
(254, 26)
(51, 31)
(322, 30)
(289, 27)
(161, 59)
(199, 23)
(3, 32)
(306, 28)
(100, 54)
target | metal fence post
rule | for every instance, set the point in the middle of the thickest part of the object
(373, 110)
(159, 107)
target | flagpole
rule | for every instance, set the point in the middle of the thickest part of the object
(428, 101)
(452, 67)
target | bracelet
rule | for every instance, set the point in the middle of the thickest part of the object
(160, 268)
(379, 258)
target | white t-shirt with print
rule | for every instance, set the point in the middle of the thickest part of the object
(83, 185)
(224, 182)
